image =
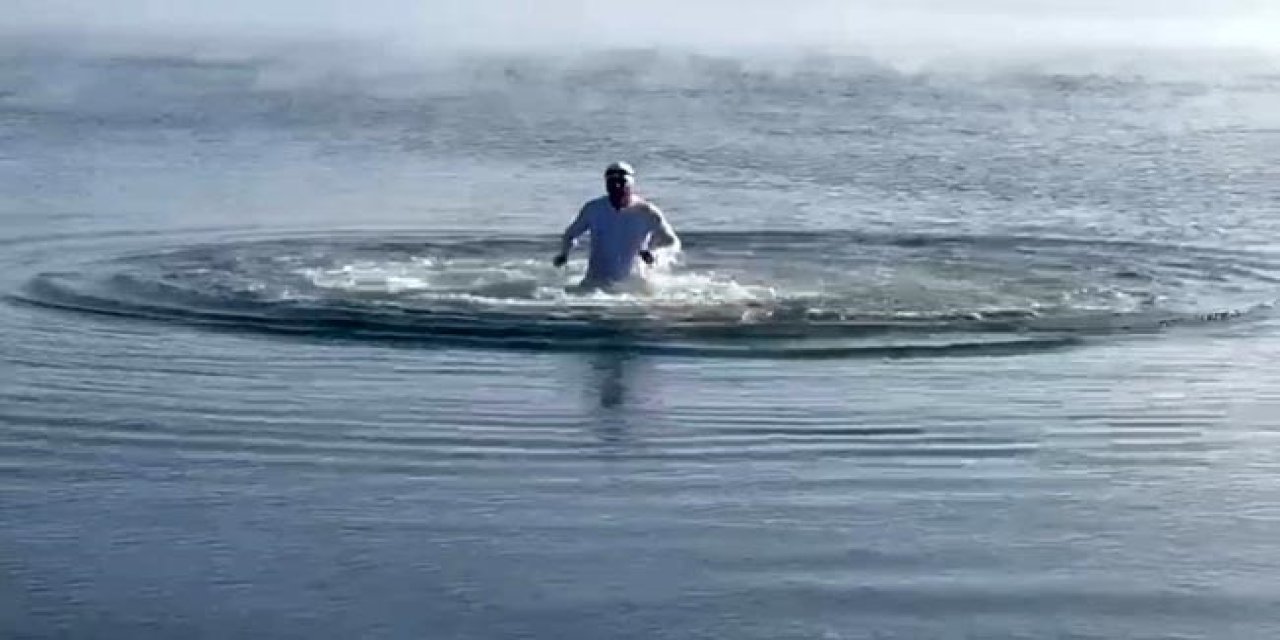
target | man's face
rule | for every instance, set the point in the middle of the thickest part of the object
(618, 184)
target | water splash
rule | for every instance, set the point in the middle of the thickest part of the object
(794, 294)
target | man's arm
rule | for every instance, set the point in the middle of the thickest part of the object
(569, 239)
(662, 235)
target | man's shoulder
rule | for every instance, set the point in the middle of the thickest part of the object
(596, 203)
(649, 207)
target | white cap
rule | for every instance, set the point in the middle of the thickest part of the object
(620, 167)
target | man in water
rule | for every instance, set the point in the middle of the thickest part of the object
(623, 227)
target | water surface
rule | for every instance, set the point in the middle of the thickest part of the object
(950, 353)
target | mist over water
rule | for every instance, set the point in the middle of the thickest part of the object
(974, 26)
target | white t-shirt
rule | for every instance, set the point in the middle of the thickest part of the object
(617, 236)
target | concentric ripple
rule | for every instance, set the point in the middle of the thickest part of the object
(756, 294)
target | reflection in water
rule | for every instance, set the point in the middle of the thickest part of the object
(609, 376)
(613, 379)
(610, 387)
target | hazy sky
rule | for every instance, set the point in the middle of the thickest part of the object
(493, 23)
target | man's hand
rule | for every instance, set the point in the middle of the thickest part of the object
(560, 260)
(647, 256)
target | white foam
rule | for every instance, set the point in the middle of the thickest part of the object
(531, 283)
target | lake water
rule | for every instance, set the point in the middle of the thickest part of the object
(982, 349)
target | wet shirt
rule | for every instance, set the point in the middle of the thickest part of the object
(617, 236)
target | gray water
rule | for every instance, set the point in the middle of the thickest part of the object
(974, 349)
